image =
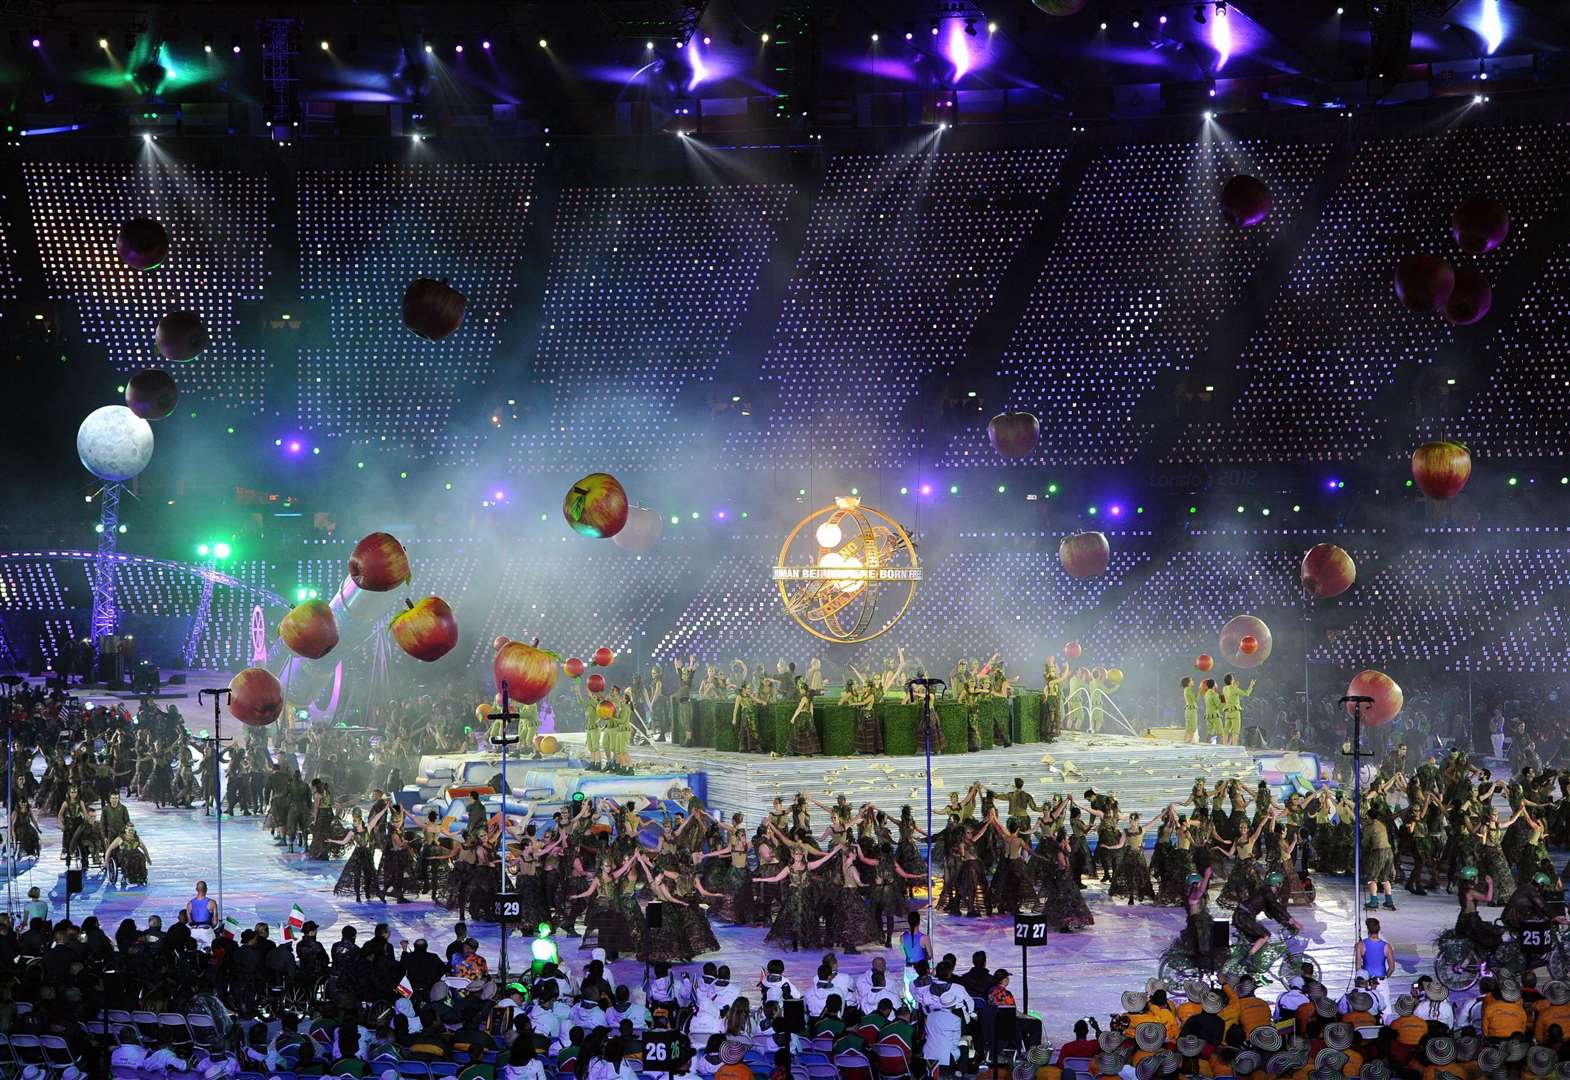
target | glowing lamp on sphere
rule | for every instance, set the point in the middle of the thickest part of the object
(829, 535)
(643, 528)
(1085, 555)
(1441, 469)
(1113, 678)
(1245, 201)
(1059, 8)
(426, 629)
(1240, 630)
(603, 657)
(1012, 435)
(1470, 300)
(1072, 650)
(114, 443)
(1424, 282)
(379, 563)
(1327, 571)
(1385, 691)
(181, 336)
(596, 506)
(573, 667)
(433, 309)
(310, 629)
(595, 683)
(255, 697)
(151, 394)
(142, 243)
(1480, 224)
(1204, 662)
(605, 710)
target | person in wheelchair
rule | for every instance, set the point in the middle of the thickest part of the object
(1263, 900)
(1527, 904)
(1469, 924)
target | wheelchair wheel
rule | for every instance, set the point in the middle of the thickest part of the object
(1559, 959)
(1508, 959)
(1175, 970)
(1457, 966)
(1292, 965)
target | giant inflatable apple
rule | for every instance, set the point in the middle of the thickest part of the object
(151, 394)
(1424, 282)
(1327, 571)
(181, 336)
(596, 506)
(143, 243)
(1471, 298)
(379, 563)
(433, 309)
(1385, 691)
(1441, 469)
(310, 630)
(256, 697)
(1245, 201)
(1236, 647)
(528, 670)
(1480, 224)
(1014, 434)
(426, 629)
(1084, 555)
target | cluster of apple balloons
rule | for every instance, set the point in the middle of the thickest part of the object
(425, 629)
(575, 667)
(1463, 295)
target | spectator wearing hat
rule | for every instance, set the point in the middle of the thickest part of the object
(1541, 1061)
(1039, 1058)
(1439, 1054)
(1434, 1006)
(1553, 1010)
(1503, 1013)
(1247, 1063)
(1191, 1057)
(1252, 1010)
(1340, 1036)
(1410, 1030)
(1160, 1009)
(1149, 1038)
(1291, 998)
(948, 1007)
(1207, 1023)
(1360, 1009)
(1193, 990)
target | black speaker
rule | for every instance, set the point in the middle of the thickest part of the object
(73, 882)
(655, 913)
(1220, 935)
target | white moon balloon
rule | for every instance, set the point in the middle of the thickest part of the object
(643, 528)
(114, 443)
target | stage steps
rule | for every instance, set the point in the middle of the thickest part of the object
(1145, 774)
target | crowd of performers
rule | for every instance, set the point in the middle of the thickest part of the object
(1446, 823)
(1074, 699)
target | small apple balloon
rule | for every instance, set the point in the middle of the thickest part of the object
(1204, 662)
(1072, 650)
(379, 563)
(573, 667)
(255, 697)
(595, 683)
(603, 657)
(427, 629)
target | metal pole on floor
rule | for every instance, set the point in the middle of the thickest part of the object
(218, 693)
(928, 686)
(10, 682)
(506, 716)
(1358, 703)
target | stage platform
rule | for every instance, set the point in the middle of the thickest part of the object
(1145, 773)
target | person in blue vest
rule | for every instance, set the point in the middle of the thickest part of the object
(202, 911)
